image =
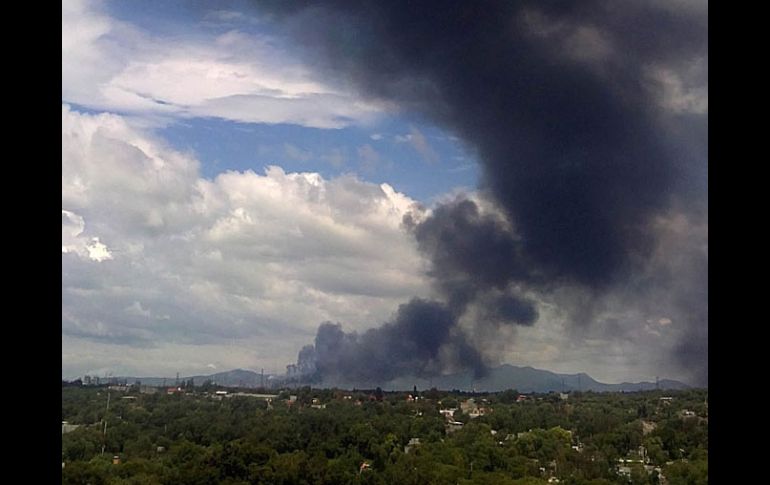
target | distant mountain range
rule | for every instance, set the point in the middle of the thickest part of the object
(523, 379)
(529, 379)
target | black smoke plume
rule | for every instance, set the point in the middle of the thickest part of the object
(420, 341)
(568, 105)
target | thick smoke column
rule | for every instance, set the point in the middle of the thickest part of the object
(421, 340)
(472, 255)
(573, 110)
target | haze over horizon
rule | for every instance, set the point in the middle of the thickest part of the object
(402, 382)
(386, 187)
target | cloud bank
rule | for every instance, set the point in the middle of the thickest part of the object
(156, 257)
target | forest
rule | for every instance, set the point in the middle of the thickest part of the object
(196, 435)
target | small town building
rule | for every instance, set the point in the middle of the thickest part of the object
(413, 443)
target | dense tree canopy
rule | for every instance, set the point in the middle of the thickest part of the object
(340, 437)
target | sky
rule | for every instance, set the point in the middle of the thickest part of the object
(235, 174)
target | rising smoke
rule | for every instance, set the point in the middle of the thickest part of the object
(590, 121)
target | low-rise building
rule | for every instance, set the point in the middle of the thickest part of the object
(468, 405)
(263, 397)
(452, 426)
(475, 413)
(648, 427)
(68, 428)
(413, 443)
(448, 413)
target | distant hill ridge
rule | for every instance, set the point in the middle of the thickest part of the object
(523, 379)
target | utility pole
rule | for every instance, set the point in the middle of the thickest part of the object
(104, 437)
(104, 431)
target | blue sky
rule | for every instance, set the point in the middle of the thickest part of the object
(382, 153)
(393, 147)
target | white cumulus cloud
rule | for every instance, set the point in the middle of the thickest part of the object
(112, 65)
(248, 261)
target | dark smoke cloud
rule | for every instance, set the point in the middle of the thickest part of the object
(420, 341)
(562, 104)
(512, 309)
(470, 252)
